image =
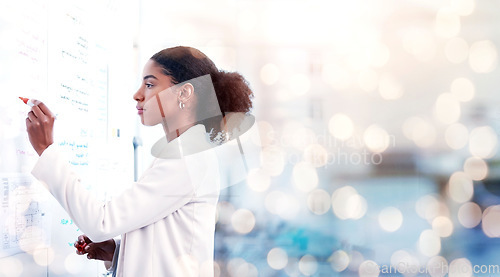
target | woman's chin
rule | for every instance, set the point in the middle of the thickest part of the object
(149, 122)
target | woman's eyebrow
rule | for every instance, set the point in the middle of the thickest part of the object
(150, 76)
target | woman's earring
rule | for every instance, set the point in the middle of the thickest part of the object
(181, 105)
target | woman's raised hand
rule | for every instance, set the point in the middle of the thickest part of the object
(40, 125)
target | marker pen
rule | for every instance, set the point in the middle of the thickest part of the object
(30, 103)
(81, 246)
(27, 101)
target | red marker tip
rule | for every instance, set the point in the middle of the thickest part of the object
(25, 100)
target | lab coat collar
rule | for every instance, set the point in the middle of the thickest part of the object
(196, 139)
(192, 141)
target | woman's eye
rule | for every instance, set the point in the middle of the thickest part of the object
(149, 85)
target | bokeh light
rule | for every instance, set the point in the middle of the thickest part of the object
(341, 126)
(460, 187)
(356, 206)
(316, 155)
(217, 269)
(31, 239)
(476, 168)
(427, 207)
(390, 219)
(491, 221)
(339, 260)
(437, 266)
(282, 204)
(243, 221)
(369, 268)
(443, 226)
(483, 56)
(469, 215)
(240, 267)
(404, 262)
(308, 265)
(356, 260)
(429, 243)
(376, 139)
(225, 211)
(43, 256)
(461, 267)
(483, 142)
(348, 204)
(11, 267)
(277, 258)
(318, 201)
(292, 268)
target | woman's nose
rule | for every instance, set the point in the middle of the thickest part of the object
(138, 96)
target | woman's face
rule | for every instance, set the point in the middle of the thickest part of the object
(156, 100)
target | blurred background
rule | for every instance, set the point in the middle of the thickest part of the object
(378, 123)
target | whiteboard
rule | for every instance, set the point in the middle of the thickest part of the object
(57, 51)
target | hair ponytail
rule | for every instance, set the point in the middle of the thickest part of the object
(233, 96)
(233, 92)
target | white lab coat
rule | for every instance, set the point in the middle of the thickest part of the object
(166, 219)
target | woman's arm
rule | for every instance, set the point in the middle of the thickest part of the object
(163, 188)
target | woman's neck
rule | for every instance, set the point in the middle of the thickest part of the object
(173, 134)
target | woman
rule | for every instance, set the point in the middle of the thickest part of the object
(166, 219)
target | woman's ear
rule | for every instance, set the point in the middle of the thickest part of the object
(186, 92)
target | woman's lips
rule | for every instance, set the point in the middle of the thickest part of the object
(140, 110)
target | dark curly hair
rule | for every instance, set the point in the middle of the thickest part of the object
(233, 93)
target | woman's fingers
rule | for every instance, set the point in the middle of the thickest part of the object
(91, 250)
(31, 116)
(37, 111)
(86, 239)
(82, 245)
(41, 111)
(82, 238)
(43, 108)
